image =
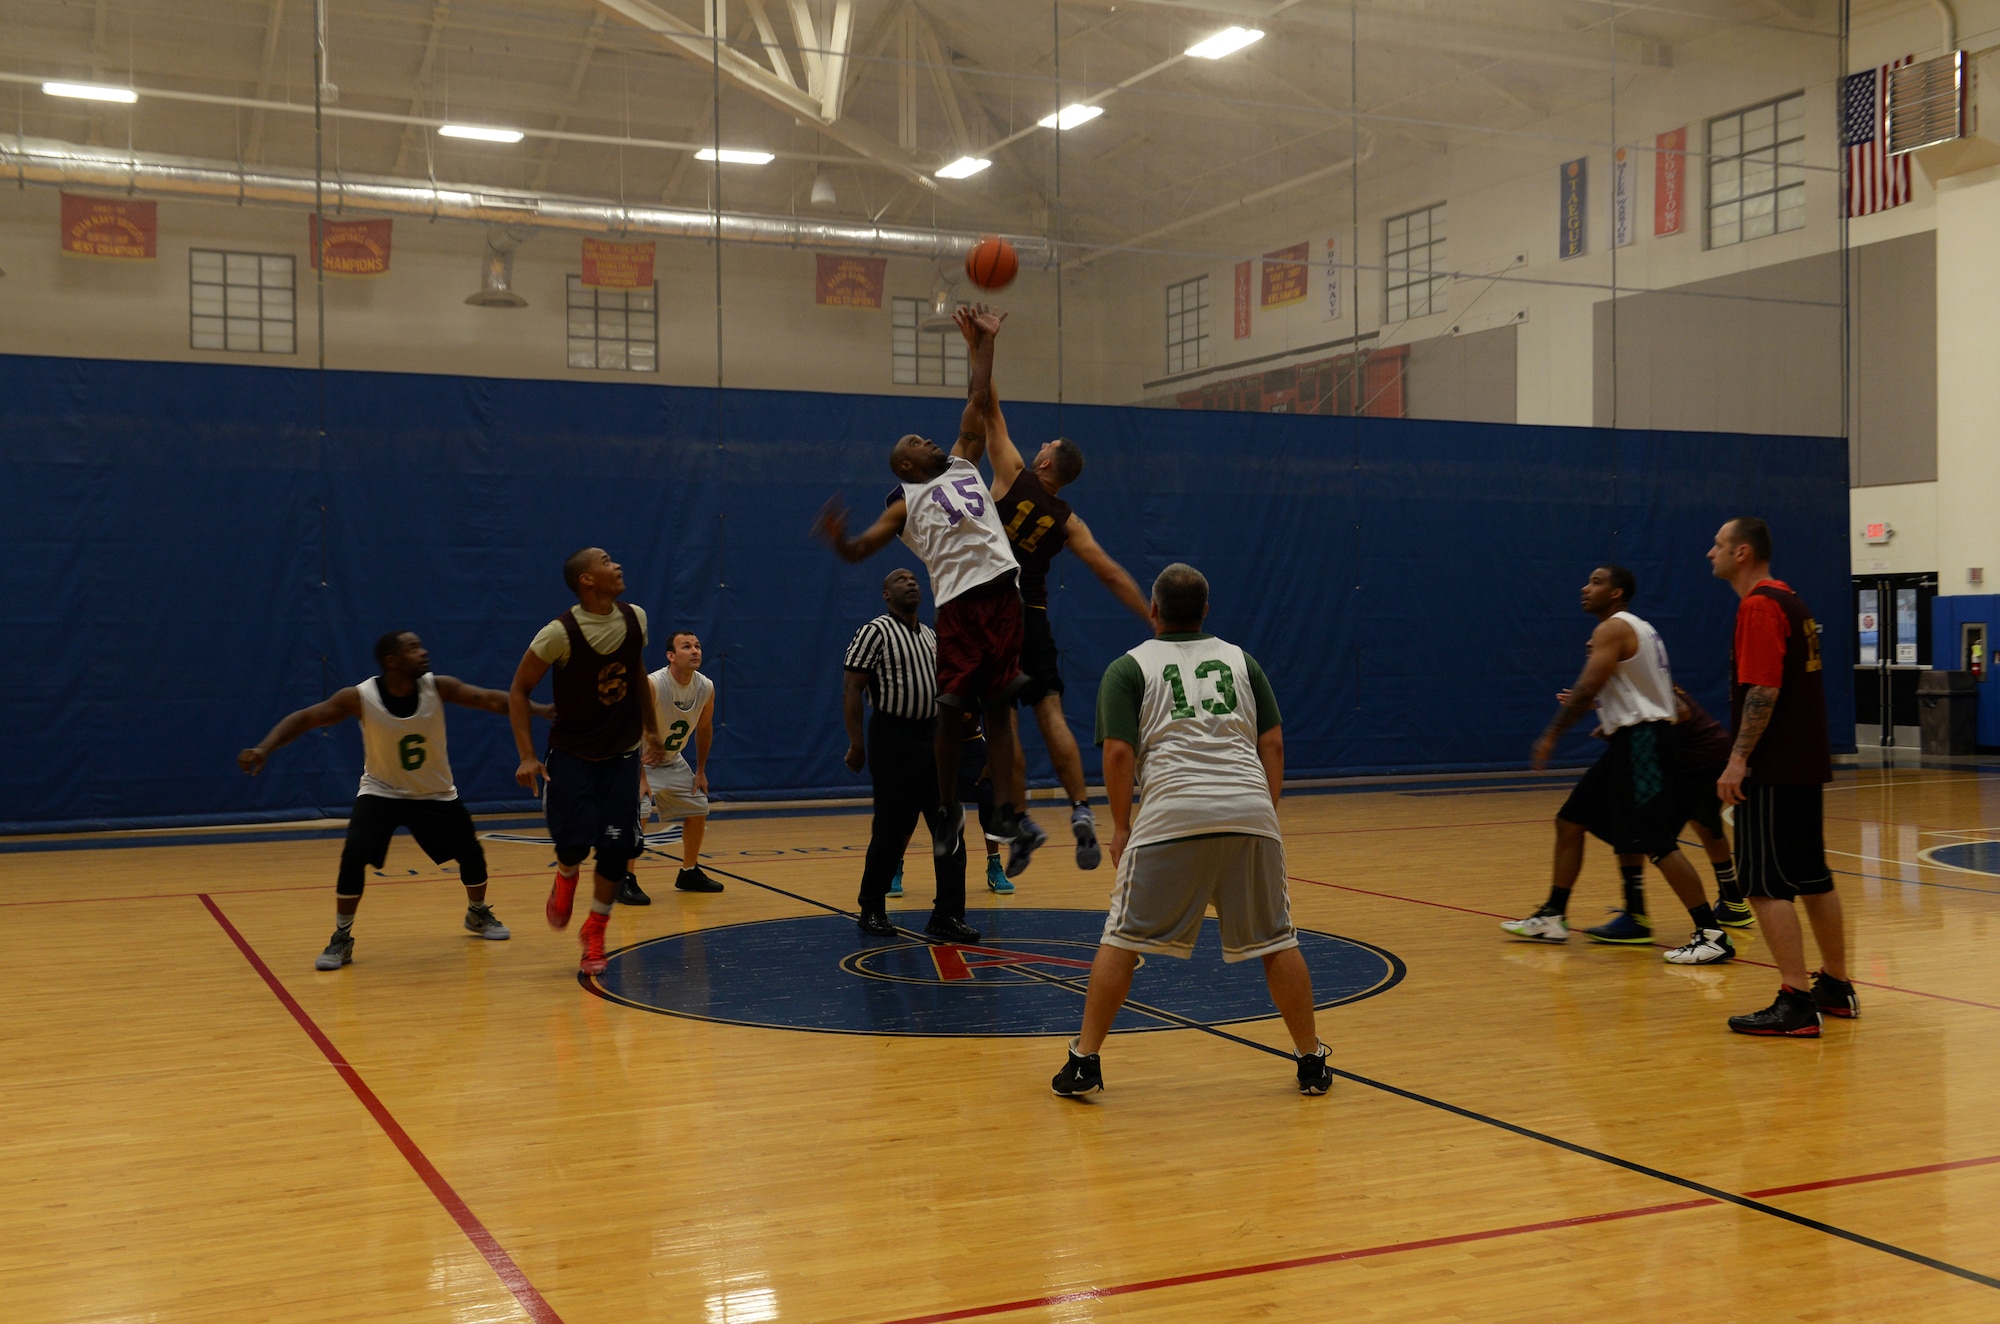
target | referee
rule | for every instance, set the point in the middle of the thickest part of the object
(893, 659)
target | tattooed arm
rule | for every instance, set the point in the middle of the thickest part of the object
(1759, 702)
(1612, 642)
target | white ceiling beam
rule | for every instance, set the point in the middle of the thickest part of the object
(440, 14)
(833, 74)
(571, 97)
(808, 39)
(940, 71)
(274, 27)
(768, 35)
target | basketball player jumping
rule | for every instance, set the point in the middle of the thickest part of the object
(945, 513)
(405, 780)
(1040, 524)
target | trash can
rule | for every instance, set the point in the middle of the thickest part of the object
(1948, 706)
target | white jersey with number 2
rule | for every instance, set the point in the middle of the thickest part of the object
(954, 529)
(1642, 689)
(404, 758)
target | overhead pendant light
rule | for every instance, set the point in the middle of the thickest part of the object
(963, 168)
(91, 92)
(1070, 116)
(734, 156)
(1226, 42)
(481, 133)
(822, 190)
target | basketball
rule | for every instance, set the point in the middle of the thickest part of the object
(991, 264)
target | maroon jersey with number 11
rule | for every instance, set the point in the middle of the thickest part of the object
(1037, 524)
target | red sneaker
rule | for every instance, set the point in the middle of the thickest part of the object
(562, 898)
(592, 933)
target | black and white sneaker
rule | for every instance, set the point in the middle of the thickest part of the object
(1792, 1016)
(629, 893)
(1080, 1075)
(1084, 825)
(1834, 997)
(694, 880)
(1706, 947)
(1025, 840)
(480, 919)
(1315, 1076)
(338, 952)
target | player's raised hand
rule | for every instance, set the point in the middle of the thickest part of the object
(967, 327)
(250, 760)
(987, 318)
(830, 525)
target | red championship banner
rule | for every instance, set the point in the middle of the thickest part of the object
(352, 248)
(1669, 180)
(613, 266)
(1242, 300)
(849, 282)
(105, 227)
(1285, 275)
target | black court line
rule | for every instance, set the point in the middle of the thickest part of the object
(1526, 1133)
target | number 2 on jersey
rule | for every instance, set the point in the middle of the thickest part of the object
(677, 735)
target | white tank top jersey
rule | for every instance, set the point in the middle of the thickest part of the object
(404, 758)
(680, 708)
(1642, 689)
(954, 529)
(1198, 770)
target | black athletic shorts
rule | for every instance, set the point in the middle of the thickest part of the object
(593, 803)
(1780, 845)
(1627, 799)
(443, 829)
(1699, 802)
(1040, 662)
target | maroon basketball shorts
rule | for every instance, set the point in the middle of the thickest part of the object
(979, 646)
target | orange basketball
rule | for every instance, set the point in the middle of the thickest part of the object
(991, 264)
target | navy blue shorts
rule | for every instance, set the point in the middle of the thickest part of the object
(593, 804)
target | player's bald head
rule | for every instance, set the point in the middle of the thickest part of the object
(916, 459)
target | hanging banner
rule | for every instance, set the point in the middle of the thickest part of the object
(1624, 184)
(1332, 312)
(849, 282)
(352, 248)
(608, 265)
(1242, 300)
(1669, 180)
(106, 227)
(1569, 210)
(1285, 275)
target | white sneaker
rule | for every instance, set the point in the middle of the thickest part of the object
(1706, 947)
(1538, 928)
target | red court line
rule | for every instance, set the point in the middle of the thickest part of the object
(1304, 1261)
(1952, 1166)
(468, 1222)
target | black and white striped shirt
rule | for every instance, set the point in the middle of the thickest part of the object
(901, 666)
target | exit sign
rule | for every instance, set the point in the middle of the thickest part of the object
(1876, 533)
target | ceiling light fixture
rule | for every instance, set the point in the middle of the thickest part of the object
(91, 92)
(481, 133)
(1226, 42)
(734, 156)
(1070, 116)
(963, 168)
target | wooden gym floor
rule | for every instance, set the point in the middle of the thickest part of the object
(201, 1127)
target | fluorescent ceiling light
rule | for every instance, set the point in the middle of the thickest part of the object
(1226, 42)
(1070, 116)
(91, 92)
(734, 156)
(481, 133)
(963, 168)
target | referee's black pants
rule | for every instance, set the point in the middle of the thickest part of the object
(902, 762)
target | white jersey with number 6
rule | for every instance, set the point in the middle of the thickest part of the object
(404, 758)
(1198, 770)
(953, 528)
(1642, 689)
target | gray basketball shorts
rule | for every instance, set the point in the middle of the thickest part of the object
(674, 795)
(1164, 889)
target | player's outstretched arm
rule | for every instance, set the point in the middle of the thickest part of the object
(329, 712)
(1610, 643)
(981, 324)
(979, 327)
(1112, 575)
(453, 690)
(529, 674)
(830, 527)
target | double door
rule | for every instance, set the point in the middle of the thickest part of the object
(1892, 620)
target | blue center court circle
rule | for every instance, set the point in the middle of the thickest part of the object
(1972, 856)
(1024, 977)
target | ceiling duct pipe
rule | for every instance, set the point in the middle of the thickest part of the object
(496, 273)
(65, 165)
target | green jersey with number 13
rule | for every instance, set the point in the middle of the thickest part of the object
(403, 758)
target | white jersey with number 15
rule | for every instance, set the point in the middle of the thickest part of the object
(953, 527)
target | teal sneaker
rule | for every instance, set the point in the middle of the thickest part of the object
(896, 883)
(996, 877)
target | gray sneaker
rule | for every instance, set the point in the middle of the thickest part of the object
(338, 952)
(481, 920)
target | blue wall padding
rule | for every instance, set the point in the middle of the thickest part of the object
(1947, 615)
(186, 559)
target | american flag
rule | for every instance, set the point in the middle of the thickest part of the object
(1875, 181)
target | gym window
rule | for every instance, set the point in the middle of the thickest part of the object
(1413, 253)
(241, 301)
(919, 356)
(1756, 171)
(617, 330)
(1187, 325)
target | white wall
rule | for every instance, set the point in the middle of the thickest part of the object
(1910, 510)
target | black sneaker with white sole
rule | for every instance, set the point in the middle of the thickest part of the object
(1834, 997)
(1084, 825)
(1081, 1075)
(338, 952)
(1315, 1076)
